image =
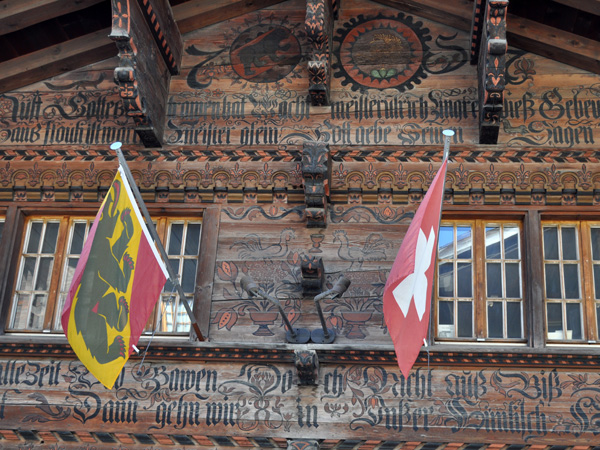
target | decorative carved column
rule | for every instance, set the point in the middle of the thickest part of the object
(492, 68)
(316, 170)
(319, 29)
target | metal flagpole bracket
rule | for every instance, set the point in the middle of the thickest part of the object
(116, 146)
(327, 335)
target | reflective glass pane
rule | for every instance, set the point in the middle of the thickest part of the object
(49, 244)
(553, 281)
(596, 244)
(571, 273)
(492, 243)
(183, 321)
(463, 242)
(550, 243)
(38, 309)
(513, 280)
(167, 314)
(513, 320)
(44, 273)
(1, 229)
(598, 320)
(175, 239)
(446, 243)
(175, 266)
(554, 312)
(597, 281)
(573, 321)
(35, 235)
(57, 321)
(494, 280)
(446, 313)
(71, 265)
(188, 281)
(78, 238)
(446, 280)
(27, 272)
(465, 319)
(192, 239)
(464, 280)
(21, 311)
(495, 320)
(511, 243)
(569, 243)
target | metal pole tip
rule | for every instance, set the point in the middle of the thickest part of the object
(448, 133)
(115, 145)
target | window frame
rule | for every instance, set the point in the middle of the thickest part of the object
(11, 246)
(478, 224)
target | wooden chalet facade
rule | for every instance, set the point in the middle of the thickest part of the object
(291, 142)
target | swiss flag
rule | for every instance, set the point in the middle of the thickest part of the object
(407, 294)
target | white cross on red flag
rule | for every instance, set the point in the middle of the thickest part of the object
(407, 294)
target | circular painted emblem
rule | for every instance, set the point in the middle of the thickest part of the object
(382, 52)
(265, 53)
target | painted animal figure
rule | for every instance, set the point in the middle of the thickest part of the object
(372, 250)
(251, 247)
(263, 50)
(100, 305)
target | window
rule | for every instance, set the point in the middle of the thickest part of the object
(50, 253)
(467, 309)
(571, 280)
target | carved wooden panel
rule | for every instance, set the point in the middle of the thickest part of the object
(319, 28)
(316, 172)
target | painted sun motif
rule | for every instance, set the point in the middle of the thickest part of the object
(382, 52)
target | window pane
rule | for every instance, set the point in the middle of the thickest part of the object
(554, 311)
(192, 240)
(175, 266)
(1, 228)
(494, 280)
(175, 238)
(463, 242)
(511, 243)
(571, 272)
(513, 280)
(495, 320)
(553, 281)
(21, 311)
(44, 274)
(550, 243)
(27, 274)
(189, 275)
(465, 319)
(598, 320)
(446, 243)
(492, 243)
(38, 309)
(569, 243)
(597, 281)
(446, 313)
(167, 314)
(464, 280)
(35, 234)
(446, 280)
(513, 320)
(78, 238)
(596, 244)
(573, 321)
(183, 320)
(49, 245)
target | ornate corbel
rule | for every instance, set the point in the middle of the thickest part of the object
(316, 171)
(319, 30)
(307, 367)
(303, 444)
(492, 68)
(313, 275)
(149, 47)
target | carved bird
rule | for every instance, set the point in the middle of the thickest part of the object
(372, 250)
(252, 248)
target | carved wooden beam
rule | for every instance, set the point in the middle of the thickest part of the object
(492, 68)
(316, 171)
(303, 444)
(142, 74)
(476, 27)
(307, 366)
(319, 29)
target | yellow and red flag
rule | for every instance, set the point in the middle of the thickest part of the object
(115, 286)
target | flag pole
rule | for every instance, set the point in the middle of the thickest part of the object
(152, 229)
(447, 137)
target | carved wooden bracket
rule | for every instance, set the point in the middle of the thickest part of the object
(476, 27)
(492, 68)
(316, 171)
(307, 366)
(319, 30)
(150, 49)
(313, 275)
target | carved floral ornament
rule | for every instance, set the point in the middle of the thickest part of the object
(236, 182)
